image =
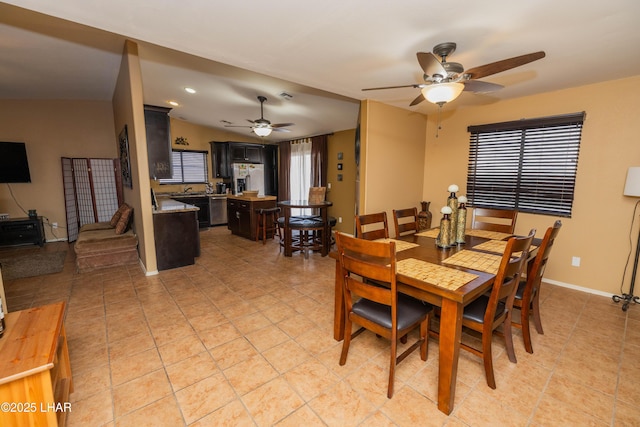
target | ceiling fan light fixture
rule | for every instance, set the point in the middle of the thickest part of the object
(441, 93)
(262, 131)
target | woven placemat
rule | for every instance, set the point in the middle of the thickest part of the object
(495, 235)
(401, 245)
(432, 232)
(497, 246)
(475, 260)
(435, 274)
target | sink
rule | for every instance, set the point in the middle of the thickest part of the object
(194, 194)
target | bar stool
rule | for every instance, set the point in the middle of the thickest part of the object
(267, 220)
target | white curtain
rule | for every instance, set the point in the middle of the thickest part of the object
(300, 171)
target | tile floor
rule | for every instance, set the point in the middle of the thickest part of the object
(244, 338)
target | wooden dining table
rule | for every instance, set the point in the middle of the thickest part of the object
(451, 302)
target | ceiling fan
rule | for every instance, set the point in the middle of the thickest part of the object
(444, 81)
(262, 126)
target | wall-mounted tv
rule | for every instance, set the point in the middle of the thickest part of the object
(14, 166)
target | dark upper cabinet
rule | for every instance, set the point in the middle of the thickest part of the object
(220, 159)
(245, 153)
(270, 158)
(156, 121)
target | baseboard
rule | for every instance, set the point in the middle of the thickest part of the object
(61, 239)
(578, 288)
(144, 269)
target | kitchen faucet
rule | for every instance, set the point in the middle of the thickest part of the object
(186, 189)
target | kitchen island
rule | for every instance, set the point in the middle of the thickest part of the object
(242, 216)
(176, 233)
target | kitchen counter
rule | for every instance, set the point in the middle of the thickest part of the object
(252, 199)
(166, 205)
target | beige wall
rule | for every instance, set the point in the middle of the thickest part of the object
(342, 193)
(598, 231)
(392, 159)
(51, 130)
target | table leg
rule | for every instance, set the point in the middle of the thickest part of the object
(338, 310)
(287, 234)
(450, 335)
(326, 233)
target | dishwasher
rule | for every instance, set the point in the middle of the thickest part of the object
(218, 210)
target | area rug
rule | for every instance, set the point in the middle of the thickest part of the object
(29, 264)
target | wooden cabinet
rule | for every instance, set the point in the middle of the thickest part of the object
(177, 239)
(220, 160)
(21, 231)
(158, 141)
(270, 159)
(245, 153)
(242, 217)
(35, 374)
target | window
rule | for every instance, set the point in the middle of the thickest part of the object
(300, 172)
(528, 165)
(188, 167)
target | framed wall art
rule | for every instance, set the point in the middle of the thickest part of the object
(125, 162)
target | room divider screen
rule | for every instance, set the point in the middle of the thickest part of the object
(92, 191)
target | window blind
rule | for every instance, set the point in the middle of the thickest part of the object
(528, 165)
(189, 167)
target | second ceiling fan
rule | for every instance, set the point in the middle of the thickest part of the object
(444, 81)
(263, 127)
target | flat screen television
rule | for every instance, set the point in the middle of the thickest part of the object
(14, 166)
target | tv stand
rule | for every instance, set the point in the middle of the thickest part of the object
(22, 231)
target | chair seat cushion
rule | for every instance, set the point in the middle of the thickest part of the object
(520, 291)
(475, 310)
(410, 311)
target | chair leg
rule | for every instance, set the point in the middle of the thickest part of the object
(424, 335)
(346, 342)
(264, 229)
(488, 358)
(392, 365)
(526, 329)
(508, 338)
(536, 312)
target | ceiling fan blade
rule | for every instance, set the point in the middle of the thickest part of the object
(280, 125)
(280, 130)
(430, 64)
(504, 65)
(393, 87)
(236, 126)
(417, 101)
(478, 86)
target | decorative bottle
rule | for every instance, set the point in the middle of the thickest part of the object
(424, 217)
(452, 202)
(461, 220)
(445, 238)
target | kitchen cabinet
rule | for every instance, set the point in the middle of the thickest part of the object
(220, 159)
(270, 158)
(241, 214)
(35, 373)
(245, 153)
(200, 202)
(158, 132)
(176, 237)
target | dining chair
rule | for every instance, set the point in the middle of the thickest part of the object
(372, 226)
(381, 310)
(487, 312)
(501, 220)
(405, 221)
(527, 298)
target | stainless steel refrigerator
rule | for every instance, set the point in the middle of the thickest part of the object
(248, 176)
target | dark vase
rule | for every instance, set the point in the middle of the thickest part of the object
(424, 217)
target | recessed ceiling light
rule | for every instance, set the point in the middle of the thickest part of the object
(174, 103)
(190, 89)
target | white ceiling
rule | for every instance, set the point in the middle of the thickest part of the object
(322, 53)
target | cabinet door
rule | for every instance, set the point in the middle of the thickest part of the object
(270, 160)
(158, 141)
(237, 153)
(253, 153)
(220, 160)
